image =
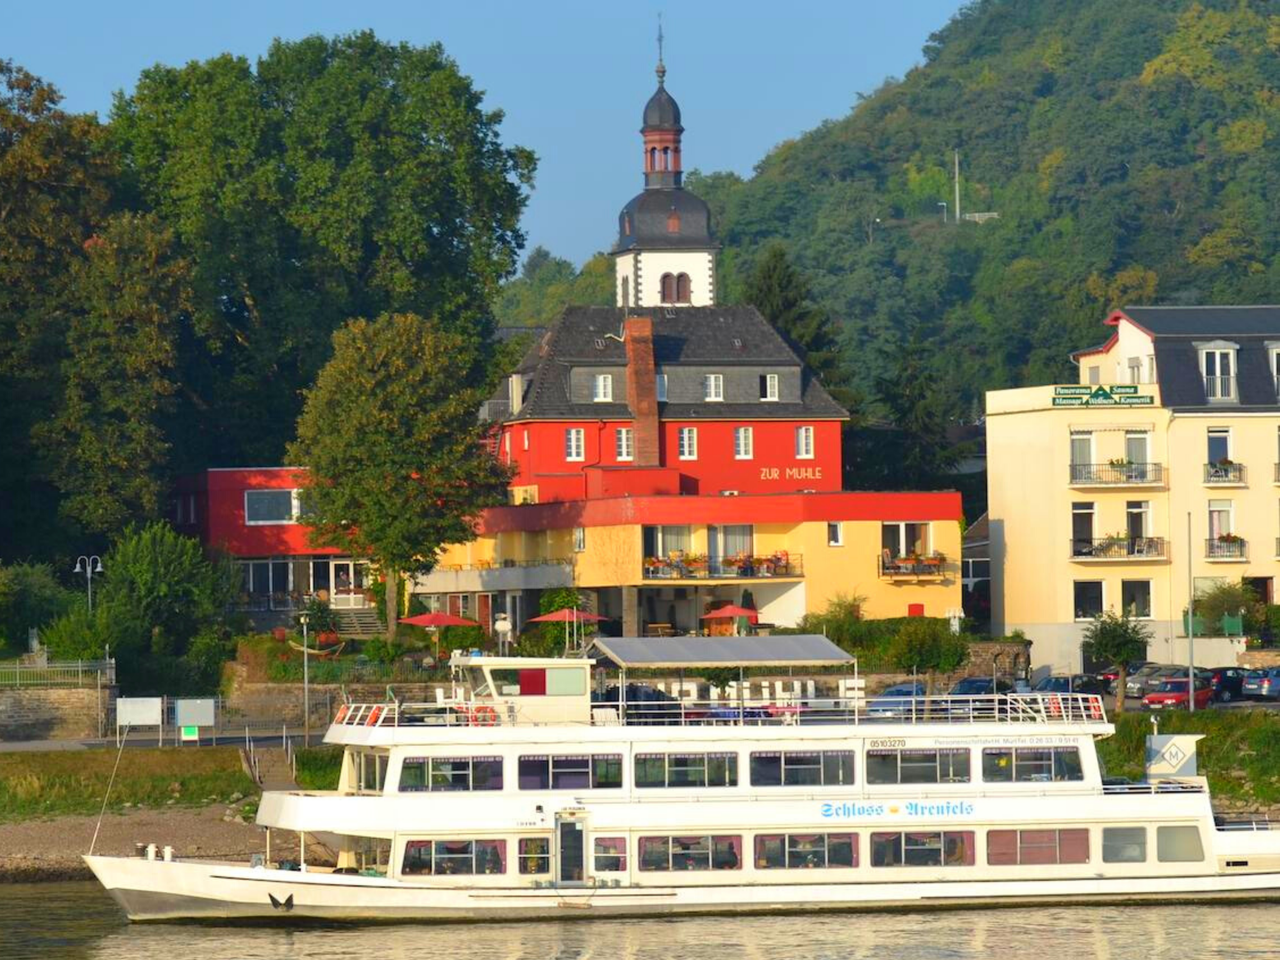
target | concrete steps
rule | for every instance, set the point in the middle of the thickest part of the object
(274, 769)
(359, 623)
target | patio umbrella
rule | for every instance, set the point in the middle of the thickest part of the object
(434, 621)
(731, 611)
(567, 615)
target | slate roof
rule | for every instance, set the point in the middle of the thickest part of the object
(697, 336)
(643, 221)
(1177, 330)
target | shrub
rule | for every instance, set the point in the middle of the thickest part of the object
(30, 596)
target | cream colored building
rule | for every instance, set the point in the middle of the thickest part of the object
(1158, 472)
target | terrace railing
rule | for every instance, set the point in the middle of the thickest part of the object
(1116, 474)
(67, 673)
(1119, 548)
(1226, 474)
(1217, 548)
(928, 567)
(749, 568)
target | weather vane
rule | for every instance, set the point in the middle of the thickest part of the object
(662, 70)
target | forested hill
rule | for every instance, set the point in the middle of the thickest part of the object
(1129, 149)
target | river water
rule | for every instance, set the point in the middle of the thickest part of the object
(60, 920)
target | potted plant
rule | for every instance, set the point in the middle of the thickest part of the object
(1229, 538)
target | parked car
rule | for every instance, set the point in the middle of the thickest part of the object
(1172, 695)
(1262, 684)
(1134, 682)
(1074, 683)
(1152, 681)
(978, 686)
(1108, 676)
(1227, 683)
(896, 701)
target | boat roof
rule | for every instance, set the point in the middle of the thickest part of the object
(786, 650)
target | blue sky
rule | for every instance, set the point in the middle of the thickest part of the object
(571, 76)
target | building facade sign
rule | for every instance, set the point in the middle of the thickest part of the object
(1117, 395)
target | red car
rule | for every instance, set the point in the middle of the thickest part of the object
(1172, 695)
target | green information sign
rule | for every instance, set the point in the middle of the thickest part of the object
(1120, 395)
(190, 733)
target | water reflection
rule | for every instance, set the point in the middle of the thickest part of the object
(77, 920)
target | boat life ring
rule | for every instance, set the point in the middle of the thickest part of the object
(374, 715)
(342, 714)
(484, 716)
(1095, 709)
(1055, 705)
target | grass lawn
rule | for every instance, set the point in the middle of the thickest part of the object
(74, 781)
(1240, 753)
(318, 768)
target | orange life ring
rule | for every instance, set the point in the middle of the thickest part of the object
(1055, 705)
(1095, 708)
(484, 716)
(342, 714)
(374, 715)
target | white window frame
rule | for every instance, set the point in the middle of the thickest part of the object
(660, 387)
(1102, 606)
(602, 388)
(770, 388)
(687, 443)
(1231, 517)
(713, 387)
(1219, 349)
(1150, 599)
(624, 444)
(804, 443)
(525, 442)
(294, 509)
(836, 527)
(506, 446)
(579, 539)
(575, 444)
(744, 443)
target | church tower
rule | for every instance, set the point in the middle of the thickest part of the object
(664, 256)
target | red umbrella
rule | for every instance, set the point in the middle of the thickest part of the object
(439, 620)
(567, 615)
(731, 612)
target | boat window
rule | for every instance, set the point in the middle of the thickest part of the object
(690, 853)
(610, 854)
(794, 768)
(1124, 844)
(1025, 764)
(571, 772)
(535, 855)
(373, 771)
(918, 766)
(437, 774)
(454, 857)
(804, 850)
(1178, 845)
(953, 848)
(686, 770)
(1014, 847)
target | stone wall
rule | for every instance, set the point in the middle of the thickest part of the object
(1258, 659)
(54, 713)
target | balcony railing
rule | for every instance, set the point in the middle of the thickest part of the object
(1119, 548)
(1115, 474)
(912, 567)
(1218, 548)
(1278, 473)
(742, 568)
(1225, 473)
(1220, 388)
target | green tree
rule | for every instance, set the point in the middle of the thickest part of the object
(398, 465)
(927, 644)
(30, 597)
(547, 284)
(1116, 638)
(106, 442)
(782, 295)
(336, 177)
(54, 187)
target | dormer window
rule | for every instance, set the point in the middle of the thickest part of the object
(602, 388)
(713, 387)
(1275, 368)
(1218, 367)
(660, 387)
(769, 387)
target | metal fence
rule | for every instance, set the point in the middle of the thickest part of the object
(69, 673)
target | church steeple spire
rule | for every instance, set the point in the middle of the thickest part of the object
(661, 131)
(662, 68)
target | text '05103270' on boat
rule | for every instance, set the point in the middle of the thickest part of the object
(553, 788)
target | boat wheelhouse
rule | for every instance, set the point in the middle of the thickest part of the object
(544, 788)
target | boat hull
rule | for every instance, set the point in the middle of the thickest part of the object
(194, 890)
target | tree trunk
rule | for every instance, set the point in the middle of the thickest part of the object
(1120, 682)
(392, 581)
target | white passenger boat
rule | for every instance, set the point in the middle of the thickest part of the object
(540, 788)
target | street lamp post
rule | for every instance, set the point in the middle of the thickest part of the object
(88, 566)
(306, 683)
(943, 205)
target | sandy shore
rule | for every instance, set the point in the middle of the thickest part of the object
(36, 850)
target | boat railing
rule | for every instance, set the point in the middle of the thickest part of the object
(1171, 786)
(665, 710)
(1246, 825)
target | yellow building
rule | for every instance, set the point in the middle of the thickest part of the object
(656, 564)
(1156, 474)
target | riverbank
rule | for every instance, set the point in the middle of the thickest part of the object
(49, 850)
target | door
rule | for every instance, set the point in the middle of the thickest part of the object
(570, 852)
(348, 578)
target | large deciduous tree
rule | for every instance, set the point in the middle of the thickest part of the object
(398, 463)
(338, 177)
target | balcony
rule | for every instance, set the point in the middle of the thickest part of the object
(1224, 473)
(695, 567)
(1117, 473)
(913, 569)
(1220, 388)
(1119, 548)
(1227, 548)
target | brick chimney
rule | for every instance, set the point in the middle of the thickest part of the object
(642, 396)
